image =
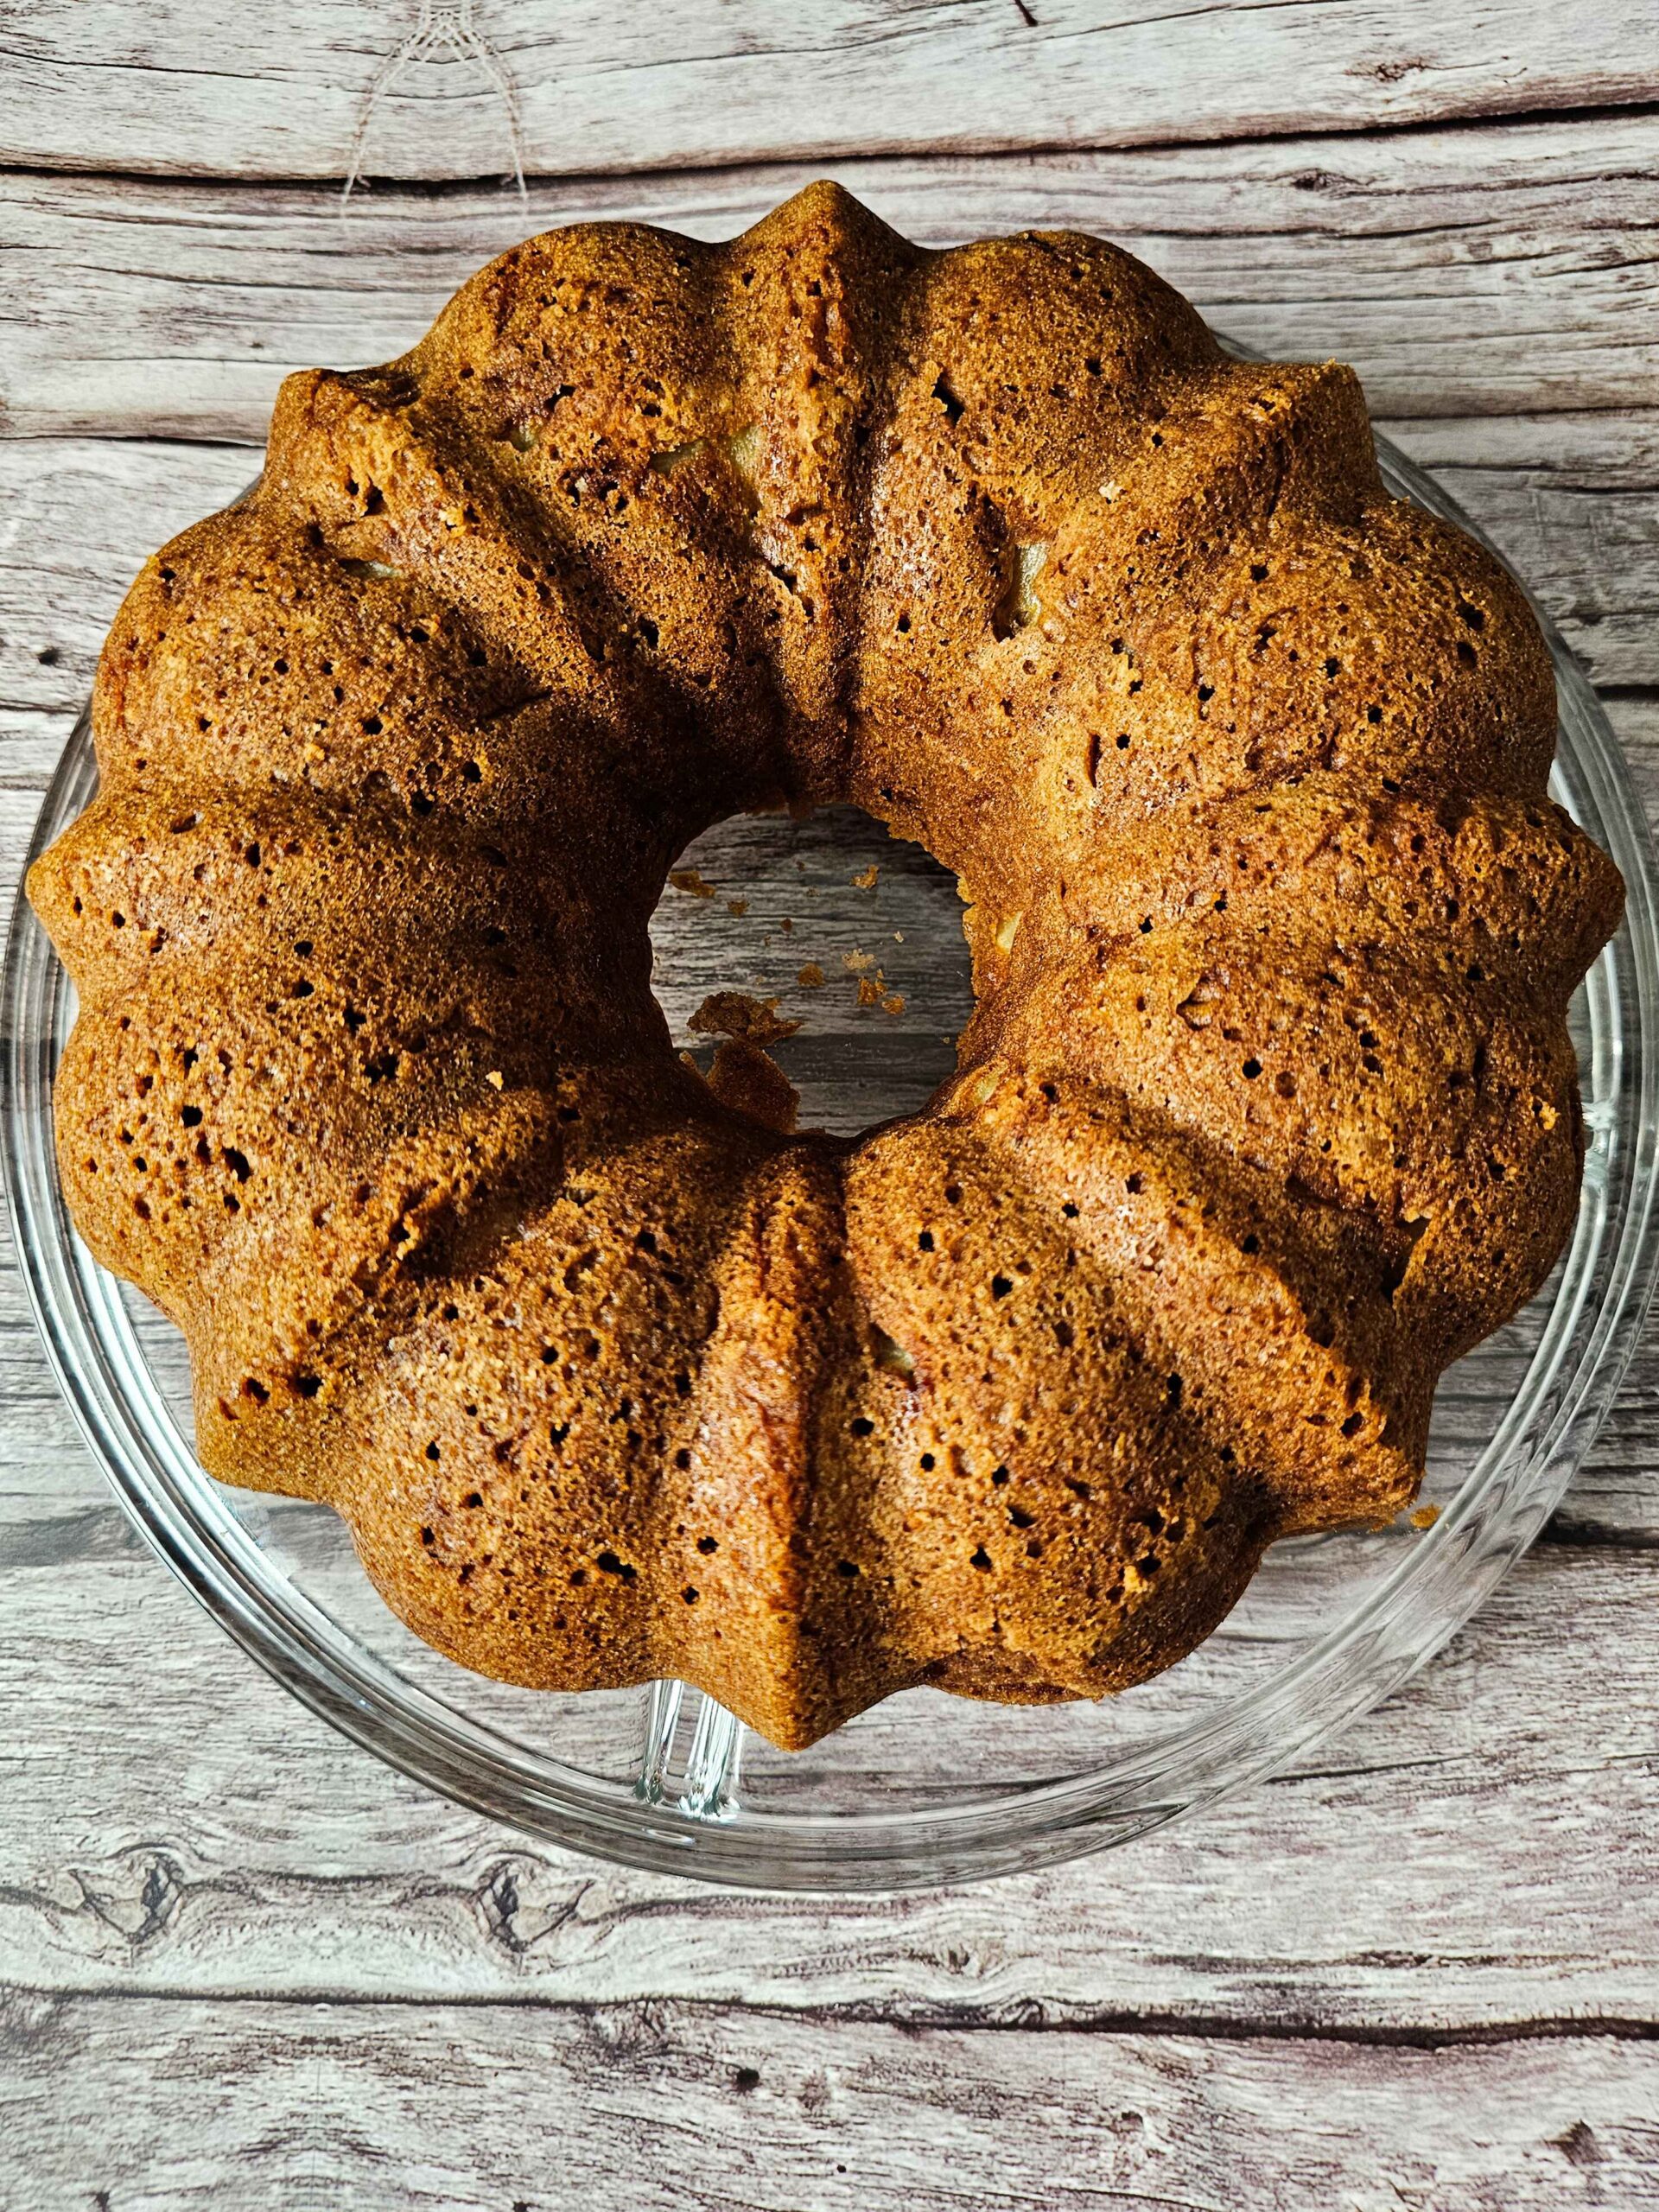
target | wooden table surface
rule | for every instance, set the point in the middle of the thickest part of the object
(244, 1965)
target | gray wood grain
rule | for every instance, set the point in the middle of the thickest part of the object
(658, 2105)
(1476, 1856)
(106, 85)
(240, 1962)
(1497, 269)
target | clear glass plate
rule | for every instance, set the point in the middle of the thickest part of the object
(926, 1788)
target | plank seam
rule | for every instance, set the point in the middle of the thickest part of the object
(1562, 1532)
(1495, 119)
(1023, 2018)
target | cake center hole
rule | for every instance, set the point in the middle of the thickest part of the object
(857, 936)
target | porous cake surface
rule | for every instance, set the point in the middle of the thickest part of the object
(1267, 1110)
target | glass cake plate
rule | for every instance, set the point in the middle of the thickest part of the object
(926, 1788)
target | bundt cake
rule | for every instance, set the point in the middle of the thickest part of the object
(1266, 1112)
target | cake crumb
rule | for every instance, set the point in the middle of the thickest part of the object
(810, 978)
(1425, 1516)
(868, 880)
(738, 907)
(750, 1081)
(870, 989)
(893, 1003)
(735, 1014)
(689, 880)
(857, 962)
(494, 1076)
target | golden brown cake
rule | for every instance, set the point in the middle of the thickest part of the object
(1267, 1110)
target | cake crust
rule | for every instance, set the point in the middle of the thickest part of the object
(1267, 1112)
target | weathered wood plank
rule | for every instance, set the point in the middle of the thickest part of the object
(1479, 1852)
(665, 2105)
(1462, 271)
(95, 84)
(73, 535)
